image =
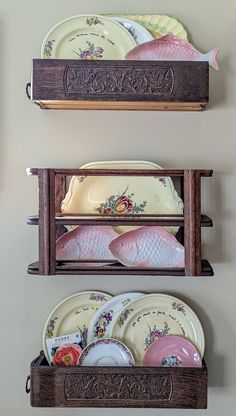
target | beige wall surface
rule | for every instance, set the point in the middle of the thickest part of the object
(31, 137)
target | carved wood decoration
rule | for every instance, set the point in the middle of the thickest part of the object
(141, 85)
(117, 386)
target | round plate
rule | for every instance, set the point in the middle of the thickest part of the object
(137, 31)
(106, 352)
(87, 37)
(160, 25)
(154, 316)
(122, 195)
(172, 351)
(73, 314)
(102, 322)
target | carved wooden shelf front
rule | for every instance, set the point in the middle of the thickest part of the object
(120, 85)
(50, 222)
(158, 387)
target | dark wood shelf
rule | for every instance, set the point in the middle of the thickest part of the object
(136, 220)
(52, 189)
(157, 387)
(120, 85)
(74, 268)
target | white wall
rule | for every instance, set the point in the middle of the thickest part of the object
(31, 137)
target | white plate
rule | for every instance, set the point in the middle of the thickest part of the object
(73, 314)
(106, 352)
(137, 31)
(153, 316)
(102, 323)
(87, 37)
(122, 195)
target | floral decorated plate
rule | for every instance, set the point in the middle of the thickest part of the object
(160, 24)
(137, 31)
(122, 195)
(87, 37)
(103, 321)
(154, 316)
(73, 314)
(172, 351)
(106, 352)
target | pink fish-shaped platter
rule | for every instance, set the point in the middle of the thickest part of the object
(86, 243)
(148, 247)
(171, 48)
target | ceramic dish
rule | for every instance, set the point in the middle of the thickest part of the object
(137, 31)
(106, 352)
(172, 351)
(122, 195)
(102, 323)
(87, 37)
(73, 314)
(154, 316)
(159, 25)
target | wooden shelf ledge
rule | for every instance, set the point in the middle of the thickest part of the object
(154, 387)
(75, 268)
(120, 85)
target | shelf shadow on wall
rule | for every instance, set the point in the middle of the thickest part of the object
(2, 103)
(217, 81)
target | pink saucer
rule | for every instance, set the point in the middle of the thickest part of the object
(172, 351)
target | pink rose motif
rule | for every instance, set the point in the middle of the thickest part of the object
(86, 55)
(123, 204)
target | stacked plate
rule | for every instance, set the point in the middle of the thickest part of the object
(124, 330)
(101, 37)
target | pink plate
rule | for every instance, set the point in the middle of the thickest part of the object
(172, 351)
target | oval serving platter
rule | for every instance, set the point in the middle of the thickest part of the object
(87, 37)
(153, 316)
(72, 315)
(122, 195)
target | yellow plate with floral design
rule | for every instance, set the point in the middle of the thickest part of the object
(153, 316)
(87, 37)
(159, 24)
(73, 314)
(121, 195)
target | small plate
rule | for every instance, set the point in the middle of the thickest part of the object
(106, 352)
(160, 24)
(87, 37)
(154, 316)
(172, 351)
(73, 314)
(122, 195)
(137, 31)
(102, 323)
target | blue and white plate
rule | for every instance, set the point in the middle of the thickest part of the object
(137, 31)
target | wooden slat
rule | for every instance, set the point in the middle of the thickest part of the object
(192, 222)
(122, 106)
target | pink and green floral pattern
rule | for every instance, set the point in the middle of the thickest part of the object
(121, 204)
(94, 20)
(156, 333)
(179, 307)
(171, 361)
(123, 316)
(98, 297)
(91, 52)
(102, 323)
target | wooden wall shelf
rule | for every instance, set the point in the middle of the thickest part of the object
(156, 387)
(52, 189)
(120, 85)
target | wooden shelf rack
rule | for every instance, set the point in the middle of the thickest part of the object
(119, 85)
(156, 387)
(52, 189)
